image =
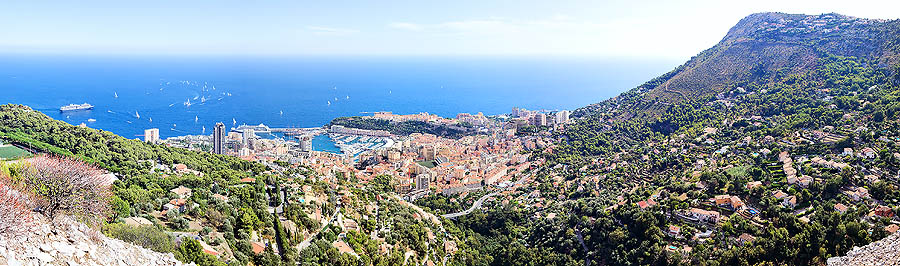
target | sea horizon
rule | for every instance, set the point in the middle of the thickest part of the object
(304, 91)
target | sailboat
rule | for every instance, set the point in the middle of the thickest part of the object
(329, 102)
(138, 116)
(196, 119)
(204, 130)
(116, 94)
(281, 113)
(348, 97)
(233, 122)
(151, 119)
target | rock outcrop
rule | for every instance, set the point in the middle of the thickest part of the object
(72, 243)
(882, 252)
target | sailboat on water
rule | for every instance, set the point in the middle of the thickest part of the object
(136, 115)
(233, 122)
(196, 119)
(116, 94)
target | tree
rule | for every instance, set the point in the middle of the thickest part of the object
(191, 251)
(65, 186)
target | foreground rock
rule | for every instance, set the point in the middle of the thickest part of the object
(72, 243)
(882, 252)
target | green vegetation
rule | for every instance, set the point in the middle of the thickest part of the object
(12, 152)
(405, 127)
(149, 237)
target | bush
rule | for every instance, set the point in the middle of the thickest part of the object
(15, 214)
(179, 223)
(65, 186)
(149, 237)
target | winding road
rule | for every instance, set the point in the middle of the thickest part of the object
(474, 206)
(483, 198)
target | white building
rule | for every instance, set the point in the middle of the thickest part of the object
(151, 135)
(562, 116)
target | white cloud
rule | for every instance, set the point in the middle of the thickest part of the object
(406, 26)
(319, 30)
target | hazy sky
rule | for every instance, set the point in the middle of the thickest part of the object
(386, 27)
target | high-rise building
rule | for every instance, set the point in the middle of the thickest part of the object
(539, 119)
(562, 116)
(247, 136)
(306, 143)
(423, 181)
(151, 135)
(515, 112)
(219, 139)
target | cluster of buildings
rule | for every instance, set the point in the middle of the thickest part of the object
(521, 117)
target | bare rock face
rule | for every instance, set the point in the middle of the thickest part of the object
(881, 252)
(70, 243)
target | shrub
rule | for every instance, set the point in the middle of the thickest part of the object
(65, 186)
(15, 213)
(149, 237)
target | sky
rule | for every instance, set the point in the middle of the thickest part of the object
(655, 29)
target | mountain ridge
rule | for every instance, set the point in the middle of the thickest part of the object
(758, 47)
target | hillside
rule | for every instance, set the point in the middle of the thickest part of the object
(759, 48)
(72, 243)
(778, 146)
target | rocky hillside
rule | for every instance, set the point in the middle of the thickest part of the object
(72, 243)
(759, 48)
(882, 252)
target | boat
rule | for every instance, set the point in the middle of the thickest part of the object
(329, 102)
(281, 113)
(76, 107)
(116, 94)
(348, 97)
(138, 116)
(196, 119)
(233, 122)
(151, 119)
(92, 120)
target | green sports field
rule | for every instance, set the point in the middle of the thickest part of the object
(12, 152)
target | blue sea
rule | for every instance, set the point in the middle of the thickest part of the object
(133, 93)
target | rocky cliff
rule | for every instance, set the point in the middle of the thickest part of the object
(72, 243)
(882, 252)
